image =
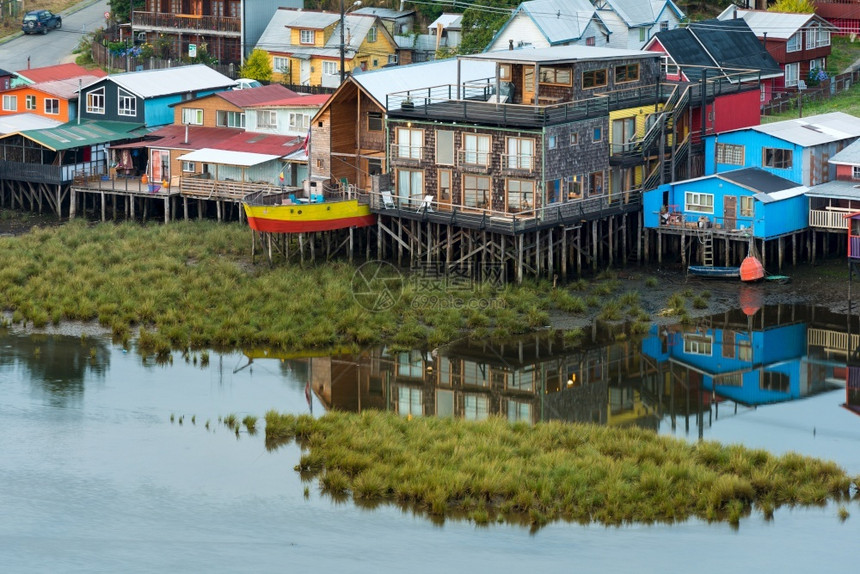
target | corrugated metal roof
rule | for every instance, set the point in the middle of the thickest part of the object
(837, 189)
(379, 83)
(384, 13)
(166, 81)
(757, 180)
(87, 133)
(225, 157)
(814, 130)
(24, 122)
(58, 72)
(848, 156)
(555, 54)
(779, 25)
(641, 12)
(447, 21)
(254, 96)
(65, 89)
(559, 20)
(276, 36)
(296, 101)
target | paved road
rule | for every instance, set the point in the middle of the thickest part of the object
(56, 46)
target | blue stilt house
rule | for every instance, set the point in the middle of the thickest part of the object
(740, 200)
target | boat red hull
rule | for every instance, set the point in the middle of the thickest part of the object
(310, 225)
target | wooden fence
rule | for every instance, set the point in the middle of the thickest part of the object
(785, 101)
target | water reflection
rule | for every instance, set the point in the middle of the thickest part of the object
(675, 375)
(57, 365)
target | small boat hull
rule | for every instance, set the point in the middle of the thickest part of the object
(309, 217)
(715, 272)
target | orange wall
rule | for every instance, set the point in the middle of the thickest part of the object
(24, 91)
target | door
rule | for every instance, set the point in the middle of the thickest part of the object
(528, 85)
(443, 196)
(730, 211)
(305, 73)
(623, 134)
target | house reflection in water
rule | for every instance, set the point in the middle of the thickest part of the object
(673, 376)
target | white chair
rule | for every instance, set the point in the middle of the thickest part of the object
(426, 204)
(387, 200)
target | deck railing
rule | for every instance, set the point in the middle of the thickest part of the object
(831, 218)
(197, 23)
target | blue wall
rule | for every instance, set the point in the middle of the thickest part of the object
(753, 143)
(781, 217)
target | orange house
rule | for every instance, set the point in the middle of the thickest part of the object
(56, 99)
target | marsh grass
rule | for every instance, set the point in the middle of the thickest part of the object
(250, 423)
(492, 470)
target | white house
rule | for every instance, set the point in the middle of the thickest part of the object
(633, 22)
(546, 23)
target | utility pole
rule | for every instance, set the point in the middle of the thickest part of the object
(342, 46)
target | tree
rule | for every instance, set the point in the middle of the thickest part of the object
(257, 67)
(795, 6)
(482, 21)
(121, 9)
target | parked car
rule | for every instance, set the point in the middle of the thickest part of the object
(246, 84)
(40, 21)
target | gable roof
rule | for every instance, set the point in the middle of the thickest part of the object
(814, 130)
(65, 89)
(636, 13)
(558, 20)
(276, 36)
(58, 72)
(724, 44)
(850, 155)
(168, 81)
(86, 133)
(253, 96)
(777, 25)
(228, 139)
(296, 101)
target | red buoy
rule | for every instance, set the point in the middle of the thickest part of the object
(751, 269)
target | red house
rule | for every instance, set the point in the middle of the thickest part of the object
(844, 14)
(800, 43)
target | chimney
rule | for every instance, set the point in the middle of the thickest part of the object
(735, 14)
(510, 44)
(186, 134)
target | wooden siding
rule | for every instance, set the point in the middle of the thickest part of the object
(111, 109)
(210, 105)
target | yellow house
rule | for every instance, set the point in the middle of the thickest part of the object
(305, 47)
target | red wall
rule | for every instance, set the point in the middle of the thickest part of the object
(735, 111)
(844, 172)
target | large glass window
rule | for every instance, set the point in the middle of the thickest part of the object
(776, 158)
(410, 401)
(521, 194)
(476, 191)
(793, 44)
(628, 73)
(127, 103)
(299, 121)
(96, 101)
(520, 153)
(329, 68)
(444, 147)
(792, 74)
(192, 116)
(476, 149)
(267, 119)
(410, 183)
(226, 119)
(559, 76)
(280, 64)
(10, 103)
(410, 143)
(476, 407)
(594, 79)
(731, 154)
(700, 202)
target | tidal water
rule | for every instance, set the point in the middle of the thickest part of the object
(96, 477)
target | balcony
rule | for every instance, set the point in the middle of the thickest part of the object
(518, 164)
(176, 23)
(406, 155)
(472, 161)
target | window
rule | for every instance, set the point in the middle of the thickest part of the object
(375, 63)
(267, 119)
(127, 104)
(628, 73)
(643, 34)
(280, 64)
(698, 344)
(777, 158)
(476, 149)
(52, 106)
(792, 73)
(392, 58)
(520, 153)
(817, 37)
(410, 183)
(521, 194)
(762, 93)
(589, 41)
(670, 68)
(574, 187)
(374, 166)
(10, 103)
(551, 142)
(476, 407)
(595, 183)
(225, 119)
(559, 76)
(476, 191)
(699, 202)
(192, 116)
(299, 121)
(371, 34)
(664, 25)
(774, 381)
(409, 401)
(793, 44)
(189, 167)
(445, 148)
(597, 134)
(374, 122)
(505, 72)
(747, 206)
(96, 101)
(306, 36)
(594, 79)
(444, 186)
(574, 138)
(855, 172)
(730, 153)
(30, 102)
(329, 68)
(410, 143)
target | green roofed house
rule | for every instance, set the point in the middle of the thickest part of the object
(49, 160)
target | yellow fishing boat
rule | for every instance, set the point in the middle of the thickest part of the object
(287, 214)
